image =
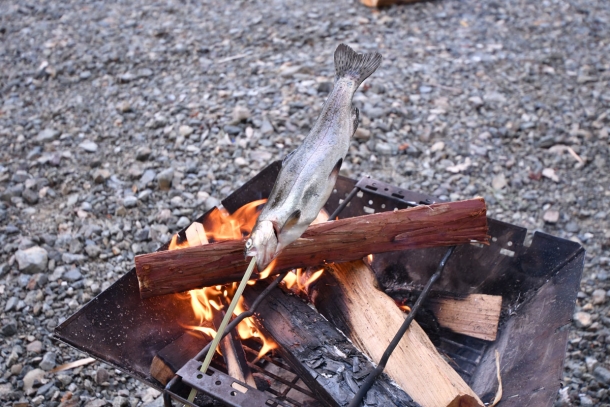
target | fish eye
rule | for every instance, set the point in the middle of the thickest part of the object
(248, 243)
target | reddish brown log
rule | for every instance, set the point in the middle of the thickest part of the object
(443, 224)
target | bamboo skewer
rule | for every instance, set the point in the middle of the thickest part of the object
(225, 321)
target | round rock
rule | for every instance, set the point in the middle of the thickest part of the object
(89, 146)
(33, 260)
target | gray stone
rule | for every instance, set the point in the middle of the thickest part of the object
(130, 201)
(44, 388)
(383, 148)
(93, 250)
(551, 216)
(143, 153)
(101, 375)
(211, 202)
(241, 113)
(5, 390)
(34, 347)
(30, 196)
(33, 260)
(240, 162)
(185, 131)
(97, 403)
(232, 130)
(598, 296)
(70, 258)
(164, 178)
(147, 177)
(183, 222)
(602, 374)
(267, 127)
(582, 319)
(572, 227)
(48, 361)
(120, 401)
(11, 303)
(47, 135)
(499, 182)
(9, 328)
(101, 175)
(72, 275)
(58, 272)
(585, 400)
(89, 146)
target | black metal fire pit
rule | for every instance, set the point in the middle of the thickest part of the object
(538, 284)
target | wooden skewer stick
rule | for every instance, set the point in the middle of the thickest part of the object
(225, 321)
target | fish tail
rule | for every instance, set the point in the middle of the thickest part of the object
(349, 63)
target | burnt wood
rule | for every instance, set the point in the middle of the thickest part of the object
(442, 224)
(325, 360)
(175, 355)
(347, 296)
(233, 354)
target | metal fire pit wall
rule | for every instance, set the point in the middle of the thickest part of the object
(538, 285)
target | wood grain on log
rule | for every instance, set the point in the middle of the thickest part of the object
(346, 295)
(442, 224)
(476, 315)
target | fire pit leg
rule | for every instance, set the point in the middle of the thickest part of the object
(401, 331)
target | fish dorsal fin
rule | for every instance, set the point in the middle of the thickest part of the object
(292, 220)
(355, 117)
(332, 178)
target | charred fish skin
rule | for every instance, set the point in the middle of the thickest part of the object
(309, 173)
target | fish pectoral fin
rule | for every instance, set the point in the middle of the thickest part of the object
(292, 220)
(355, 117)
(332, 178)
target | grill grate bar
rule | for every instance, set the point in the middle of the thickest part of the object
(282, 380)
(270, 360)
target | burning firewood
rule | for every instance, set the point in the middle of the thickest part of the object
(325, 360)
(346, 295)
(233, 353)
(173, 356)
(443, 224)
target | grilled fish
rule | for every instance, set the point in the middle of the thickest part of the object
(308, 174)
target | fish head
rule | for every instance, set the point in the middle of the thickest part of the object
(262, 244)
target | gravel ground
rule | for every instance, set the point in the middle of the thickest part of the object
(120, 121)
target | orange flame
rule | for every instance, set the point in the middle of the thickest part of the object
(294, 281)
(206, 301)
(234, 226)
(267, 271)
(405, 308)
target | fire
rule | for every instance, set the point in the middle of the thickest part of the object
(207, 301)
(267, 271)
(296, 281)
(234, 226)
(405, 308)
